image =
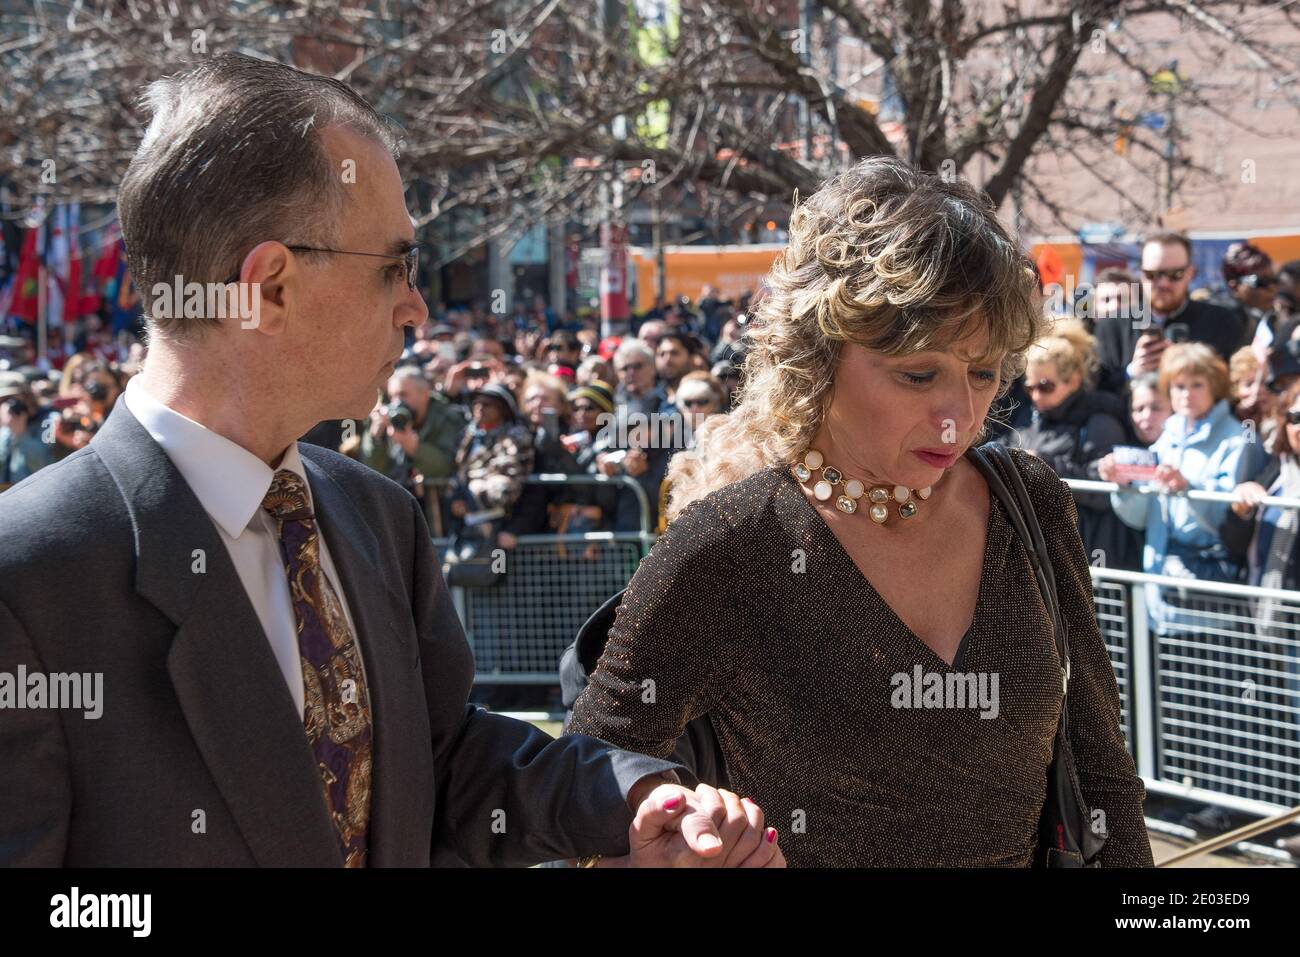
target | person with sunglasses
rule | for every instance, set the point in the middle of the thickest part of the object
(1073, 426)
(1166, 314)
(1248, 274)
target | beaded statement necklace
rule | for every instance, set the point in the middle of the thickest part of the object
(853, 489)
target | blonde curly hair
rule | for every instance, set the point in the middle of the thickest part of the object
(894, 259)
(1071, 348)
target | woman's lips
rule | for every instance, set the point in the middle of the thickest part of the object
(935, 459)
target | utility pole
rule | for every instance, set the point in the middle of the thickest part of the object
(613, 234)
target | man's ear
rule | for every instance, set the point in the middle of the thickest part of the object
(1191, 272)
(271, 273)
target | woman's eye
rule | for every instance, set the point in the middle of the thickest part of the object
(987, 375)
(917, 379)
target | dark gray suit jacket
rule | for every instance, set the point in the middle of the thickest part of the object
(96, 575)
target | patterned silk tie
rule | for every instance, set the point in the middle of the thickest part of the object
(337, 710)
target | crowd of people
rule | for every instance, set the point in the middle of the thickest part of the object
(1204, 389)
(480, 401)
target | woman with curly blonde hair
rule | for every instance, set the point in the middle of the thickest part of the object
(832, 551)
(1074, 426)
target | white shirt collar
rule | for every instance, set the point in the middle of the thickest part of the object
(229, 481)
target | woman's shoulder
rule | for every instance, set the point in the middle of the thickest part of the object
(1046, 489)
(727, 514)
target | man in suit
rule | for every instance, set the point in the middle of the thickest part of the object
(284, 679)
(1131, 342)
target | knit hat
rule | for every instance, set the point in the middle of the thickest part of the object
(600, 394)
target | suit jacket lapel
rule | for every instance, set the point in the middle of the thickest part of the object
(401, 799)
(227, 680)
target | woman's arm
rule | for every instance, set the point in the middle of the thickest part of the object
(1107, 773)
(672, 645)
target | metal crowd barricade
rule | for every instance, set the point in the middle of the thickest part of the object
(520, 627)
(1209, 696)
(1209, 679)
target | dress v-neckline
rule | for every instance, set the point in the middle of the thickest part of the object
(872, 594)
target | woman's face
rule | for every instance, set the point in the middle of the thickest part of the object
(1046, 387)
(585, 415)
(1190, 395)
(487, 412)
(884, 409)
(1293, 431)
(1150, 410)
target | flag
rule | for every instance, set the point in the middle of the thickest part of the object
(26, 278)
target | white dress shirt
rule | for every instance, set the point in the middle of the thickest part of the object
(230, 483)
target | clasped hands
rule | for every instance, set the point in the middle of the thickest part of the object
(675, 826)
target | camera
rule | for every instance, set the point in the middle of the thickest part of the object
(73, 421)
(400, 415)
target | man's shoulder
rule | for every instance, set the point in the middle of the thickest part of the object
(357, 479)
(68, 507)
(81, 477)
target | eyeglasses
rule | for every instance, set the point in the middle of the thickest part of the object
(1173, 275)
(410, 258)
(1045, 386)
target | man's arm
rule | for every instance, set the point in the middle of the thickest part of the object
(509, 794)
(36, 796)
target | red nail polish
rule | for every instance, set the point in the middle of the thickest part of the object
(672, 802)
(771, 834)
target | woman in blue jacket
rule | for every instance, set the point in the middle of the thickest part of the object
(1198, 449)
(1199, 640)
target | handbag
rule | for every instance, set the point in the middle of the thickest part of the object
(1066, 834)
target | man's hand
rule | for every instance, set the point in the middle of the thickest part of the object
(707, 827)
(1147, 351)
(407, 438)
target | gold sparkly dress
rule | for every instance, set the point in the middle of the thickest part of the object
(799, 673)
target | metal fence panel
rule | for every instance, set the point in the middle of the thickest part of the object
(519, 628)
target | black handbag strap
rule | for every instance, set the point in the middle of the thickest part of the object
(1020, 509)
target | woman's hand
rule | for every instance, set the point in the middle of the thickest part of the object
(677, 827)
(1106, 469)
(1247, 496)
(1170, 479)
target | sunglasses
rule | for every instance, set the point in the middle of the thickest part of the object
(1173, 275)
(1293, 417)
(1256, 281)
(1045, 386)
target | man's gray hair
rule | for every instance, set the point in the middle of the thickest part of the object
(414, 374)
(629, 348)
(233, 158)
